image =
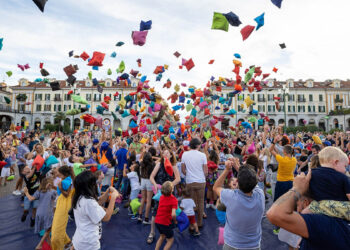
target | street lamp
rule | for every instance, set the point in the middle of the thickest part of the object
(284, 91)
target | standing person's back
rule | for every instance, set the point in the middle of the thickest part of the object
(244, 210)
(194, 161)
(194, 166)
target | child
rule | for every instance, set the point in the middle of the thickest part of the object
(31, 178)
(59, 237)
(134, 183)
(46, 196)
(165, 214)
(78, 165)
(329, 181)
(188, 205)
(6, 170)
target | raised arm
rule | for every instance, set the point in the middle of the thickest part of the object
(220, 181)
(282, 212)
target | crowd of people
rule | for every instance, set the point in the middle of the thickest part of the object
(165, 183)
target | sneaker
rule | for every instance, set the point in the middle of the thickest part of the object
(139, 218)
(146, 222)
(276, 231)
(134, 217)
(208, 205)
(115, 211)
(130, 213)
(196, 233)
(32, 222)
(24, 217)
(16, 192)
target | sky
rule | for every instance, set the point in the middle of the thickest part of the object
(315, 32)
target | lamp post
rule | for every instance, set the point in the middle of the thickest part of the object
(284, 91)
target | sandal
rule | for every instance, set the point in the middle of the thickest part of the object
(150, 238)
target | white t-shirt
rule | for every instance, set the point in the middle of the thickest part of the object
(29, 163)
(134, 180)
(88, 216)
(108, 177)
(194, 161)
(188, 204)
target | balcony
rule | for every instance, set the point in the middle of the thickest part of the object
(57, 99)
(10, 110)
(301, 100)
(338, 100)
(261, 99)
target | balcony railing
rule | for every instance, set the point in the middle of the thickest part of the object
(261, 99)
(301, 100)
(10, 110)
(338, 100)
(57, 99)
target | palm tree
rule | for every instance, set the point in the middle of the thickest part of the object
(59, 117)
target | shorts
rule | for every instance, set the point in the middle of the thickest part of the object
(134, 194)
(20, 168)
(5, 172)
(29, 204)
(166, 230)
(146, 184)
(192, 219)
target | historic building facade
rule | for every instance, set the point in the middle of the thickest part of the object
(42, 103)
(307, 102)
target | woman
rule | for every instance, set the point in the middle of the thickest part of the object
(88, 212)
(159, 176)
(285, 171)
(146, 168)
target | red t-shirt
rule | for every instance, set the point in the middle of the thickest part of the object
(166, 204)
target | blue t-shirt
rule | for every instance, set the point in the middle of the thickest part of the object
(299, 145)
(329, 184)
(122, 158)
(325, 233)
(8, 162)
(243, 217)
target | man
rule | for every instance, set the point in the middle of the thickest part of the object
(121, 156)
(298, 143)
(194, 167)
(32, 142)
(318, 231)
(244, 208)
(21, 162)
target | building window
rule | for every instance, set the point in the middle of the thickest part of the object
(108, 84)
(97, 97)
(270, 97)
(47, 107)
(320, 98)
(47, 97)
(337, 85)
(310, 98)
(38, 97)
(57, 98)
(59, 108)
(54, 108)
(301, 98)
(88, 97)
(67, 97)
(38, 107)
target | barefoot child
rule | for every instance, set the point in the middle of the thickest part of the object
(165, 214)
(46, 196)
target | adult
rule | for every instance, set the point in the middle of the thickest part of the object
(244, 208)
(194, 167)
(88, 211)
(21, 162)
(285, 171)
(122, 159)
(318, 231)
